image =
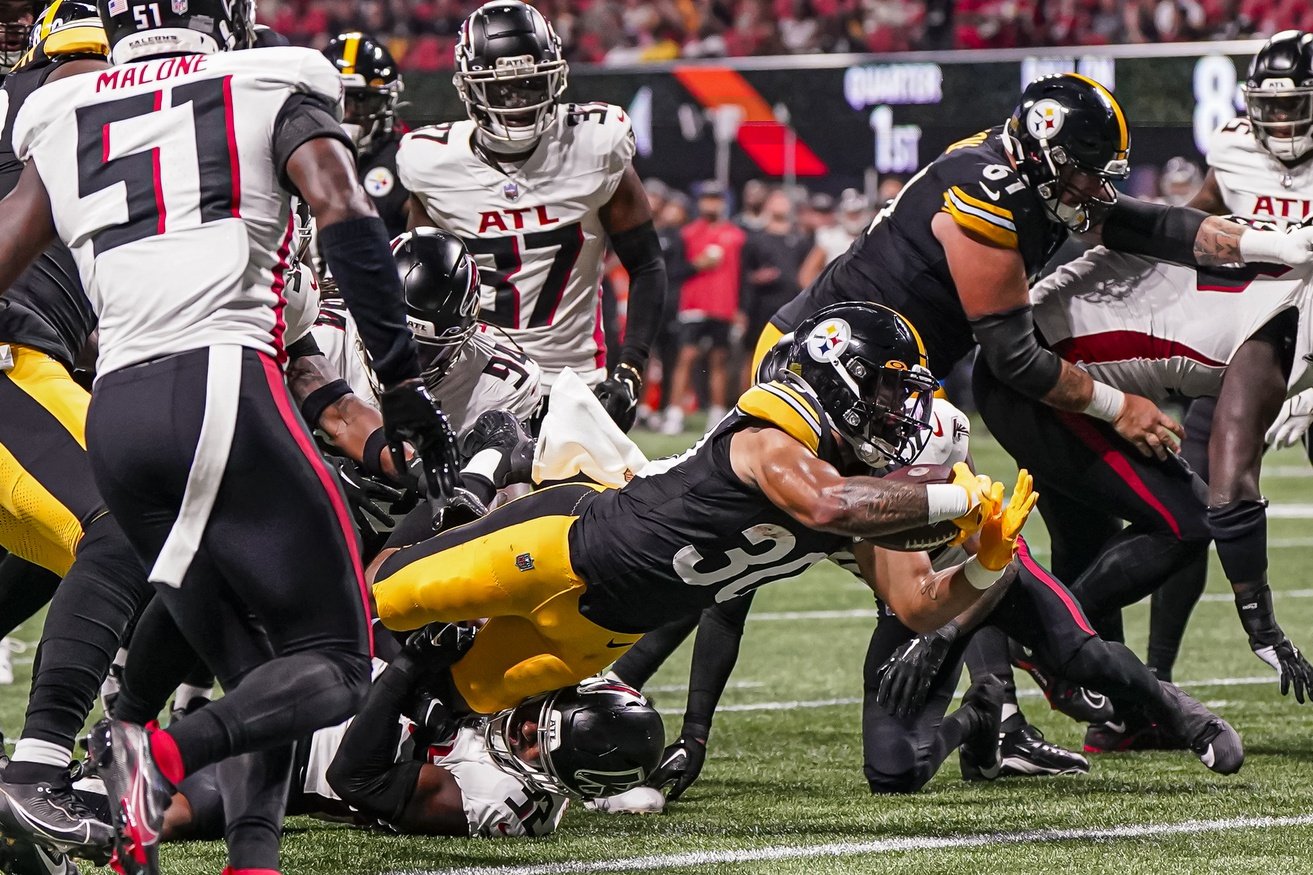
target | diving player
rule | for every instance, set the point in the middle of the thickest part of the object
(537, 189)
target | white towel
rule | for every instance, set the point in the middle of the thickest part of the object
(577, 436)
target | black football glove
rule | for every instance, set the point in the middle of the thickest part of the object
(499, 430)
(1292, 668)
(456, 507)
(440, 645)
(619, 394)
(364, 493)
(907, 675)
(681, 763)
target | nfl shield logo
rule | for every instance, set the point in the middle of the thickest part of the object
(524, 562)
(179, 7)
(511, 190)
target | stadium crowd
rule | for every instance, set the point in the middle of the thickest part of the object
(422, 33)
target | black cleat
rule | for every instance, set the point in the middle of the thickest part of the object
(22, 857)
(1078, 703)
(1116, 736)
(1211, 738)
(47, 813)
(138, 794)
(1024, 752)
(978, 756)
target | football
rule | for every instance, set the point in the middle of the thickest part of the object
(924, 537)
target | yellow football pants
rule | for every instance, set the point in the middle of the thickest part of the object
(513, 567)
(47, 493)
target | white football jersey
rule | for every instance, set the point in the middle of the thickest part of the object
(496, 802)
(488, 375)
(1254, 184)
(1159, 329)
(534, 229)
(162, 183)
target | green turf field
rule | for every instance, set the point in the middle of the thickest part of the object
(783, 788)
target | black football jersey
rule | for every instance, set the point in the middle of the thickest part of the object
(378, 174)
(898, 262)
(45, 308)
(671, 543)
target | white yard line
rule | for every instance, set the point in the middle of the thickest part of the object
(691, 859)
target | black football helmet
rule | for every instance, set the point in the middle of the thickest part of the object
(16, 25)
(204, 27)
(371, 83)
(1279, 95)
(510, 72)
(1069, 139)
(67, 28)
(440, 282)
(867, 365)
(775, 360)
(597, 739)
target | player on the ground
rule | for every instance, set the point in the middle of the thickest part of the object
(571, 576)
(53, 520)
(537, 189)
(182, 154)
(372, 86)
(1160, 330)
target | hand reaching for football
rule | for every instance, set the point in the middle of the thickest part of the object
(999, 533)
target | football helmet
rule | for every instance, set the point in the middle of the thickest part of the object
(371, 84)
(1069, 139)
(867, 366)
(16, 20)
(440, 283)
(65, 28)
(1279, 95)
(597, 739)
(138, 31)
(510, 73)
(775, 360)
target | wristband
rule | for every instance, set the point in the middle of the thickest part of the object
(485, 464)
(1264, 246)
(946, 502)
(319, 400)
(978, 575)
(375, 444)
(1105, 402)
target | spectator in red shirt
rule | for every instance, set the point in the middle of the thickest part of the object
(708, 305)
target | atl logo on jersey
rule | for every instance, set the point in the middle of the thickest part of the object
(513, 219)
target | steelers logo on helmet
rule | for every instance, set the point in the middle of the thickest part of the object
(1045, 118)
(829, 339)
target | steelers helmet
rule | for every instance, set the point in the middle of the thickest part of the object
(510, 71)
(371, 86)
(440, 284)
(1070, 141)
(597, 739)
(868, 368)
(1279, 95)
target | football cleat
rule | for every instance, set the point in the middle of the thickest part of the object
(1115, 736)
(639, 800)
(1078, 703)
(22, 857)
(1212, 739)
(979, 755)
(47, 813)
(138, 794)
(1024, 752)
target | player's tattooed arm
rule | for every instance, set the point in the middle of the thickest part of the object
(1218, 242)
(811, 491)
(348, 421)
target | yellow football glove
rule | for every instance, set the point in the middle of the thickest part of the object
(998, 533)
(980, 489)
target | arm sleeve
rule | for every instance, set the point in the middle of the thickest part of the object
(1012, 350)
(365, 772)
(639, 251)
(304, 117)
(1153, 230)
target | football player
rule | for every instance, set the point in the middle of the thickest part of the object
(572, 575)
(53, 519)
(537, 189)
(371, 88)
(182, 163)
(1242, 335)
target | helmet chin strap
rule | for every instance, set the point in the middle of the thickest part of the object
(504, 148)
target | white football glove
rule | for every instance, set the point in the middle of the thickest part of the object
(1292, 422)
(1293, 247)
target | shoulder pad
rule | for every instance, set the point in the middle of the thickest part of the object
(789, 408)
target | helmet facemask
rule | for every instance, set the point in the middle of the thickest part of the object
(1282, 118)
(888, 417)
(1076, 196)
(16, 20)
(512, 103)
(511, 735)
(368, 111)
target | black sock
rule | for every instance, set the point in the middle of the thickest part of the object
(1169, 614)
(159, 658)
(641, 661)
(715, 652)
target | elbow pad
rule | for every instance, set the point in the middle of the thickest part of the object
(1153, 230)
(639, 251)
(1011, 348)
